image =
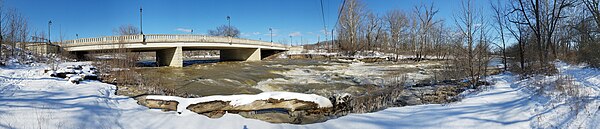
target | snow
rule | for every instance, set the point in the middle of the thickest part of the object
(30, 99)
(237, 100)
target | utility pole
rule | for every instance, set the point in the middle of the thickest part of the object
(301, 41)
(318, 40)
(332, 39)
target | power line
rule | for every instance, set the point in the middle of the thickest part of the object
(324, 25)
(323, 17)
(339, 14)
(336, 23)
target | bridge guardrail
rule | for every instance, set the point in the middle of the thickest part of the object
(150, 38)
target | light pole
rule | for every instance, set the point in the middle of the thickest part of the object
(271, 31)
(291, 43)
(229, 26)
(76, 36)
(192, 32)
(141, 27)
(49, 23)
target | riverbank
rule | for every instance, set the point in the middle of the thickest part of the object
(30, 99)
(355, 86)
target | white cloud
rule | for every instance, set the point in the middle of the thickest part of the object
(245, 34)
(295, 34)
(274, 35)
(256, 33)
(275, 30)
(184, 30)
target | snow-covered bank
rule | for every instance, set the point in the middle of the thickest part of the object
(30, 99)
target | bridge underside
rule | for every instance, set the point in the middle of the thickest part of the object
(173, 56)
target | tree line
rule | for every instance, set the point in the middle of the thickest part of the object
(13, 30)
(526, 34)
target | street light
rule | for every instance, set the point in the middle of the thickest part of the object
(49, 23)
(192, 32)
(291, 43)
(141, 27)
(229, 28)
(271, 30)
(77, 36)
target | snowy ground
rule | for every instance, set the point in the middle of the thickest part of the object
(30, 99)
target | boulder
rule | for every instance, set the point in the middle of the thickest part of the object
(158, 104)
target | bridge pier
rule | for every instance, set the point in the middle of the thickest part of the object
(244, 54)
(172, 57)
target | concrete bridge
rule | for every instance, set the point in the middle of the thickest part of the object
(169, 48)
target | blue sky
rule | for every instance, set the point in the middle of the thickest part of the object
(301, 18)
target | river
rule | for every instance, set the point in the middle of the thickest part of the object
(323, 77)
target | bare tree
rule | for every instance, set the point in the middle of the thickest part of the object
(17, 31)
(352, 14)
(587, 27)
(500, 20)
(593, 8)
(1, 30)
(225, 30)
(425, 15)
(542, 17)
(397, 21)
(126, 30)
(472, 54)
(521, 34)
(373, 28)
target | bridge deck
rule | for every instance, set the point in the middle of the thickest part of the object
(159, 40)
(169, 48)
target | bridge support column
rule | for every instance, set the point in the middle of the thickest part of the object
(245, 54)
(172, 57)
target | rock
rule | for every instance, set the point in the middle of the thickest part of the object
(296, 117)
(209, 107)
(90, 77)
(158, 104)
(214, 114)
(407, 99)
(290, 105)
(75, 79)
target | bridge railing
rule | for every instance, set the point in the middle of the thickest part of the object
(153, 38)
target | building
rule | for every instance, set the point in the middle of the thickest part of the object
(42, 47)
